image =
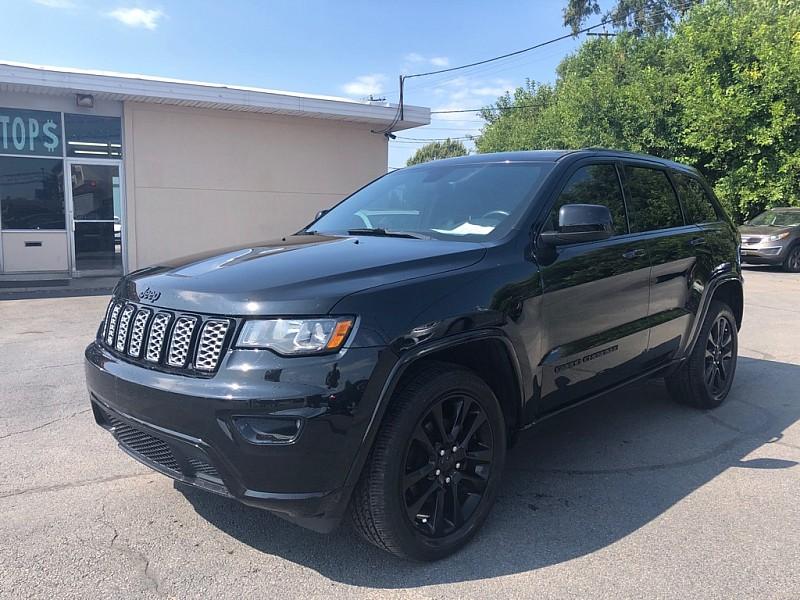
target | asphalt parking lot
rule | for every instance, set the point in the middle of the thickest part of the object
(631, 496)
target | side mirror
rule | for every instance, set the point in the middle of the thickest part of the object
(321, 214)
(580, 223)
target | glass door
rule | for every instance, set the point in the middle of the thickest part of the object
(96, 218)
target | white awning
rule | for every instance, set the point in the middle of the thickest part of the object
(20, 77)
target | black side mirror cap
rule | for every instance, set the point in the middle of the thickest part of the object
(580, 223)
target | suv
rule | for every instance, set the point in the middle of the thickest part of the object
(773, 238)
(380, 361)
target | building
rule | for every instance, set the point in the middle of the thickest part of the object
(104, 173)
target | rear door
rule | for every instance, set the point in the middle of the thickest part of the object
(595, 296)
(655, 212)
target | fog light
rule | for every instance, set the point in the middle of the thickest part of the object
(268, 430)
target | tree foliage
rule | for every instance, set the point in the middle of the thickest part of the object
(437, 150)
(640, 17)
(721, 92)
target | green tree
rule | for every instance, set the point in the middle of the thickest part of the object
(739, 82)
(641, 17)
(721, 91)
(437, 150)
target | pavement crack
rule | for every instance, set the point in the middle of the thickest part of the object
(75, 414)
(150, 581)
(65, 486)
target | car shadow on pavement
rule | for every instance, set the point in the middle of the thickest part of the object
(573, 485)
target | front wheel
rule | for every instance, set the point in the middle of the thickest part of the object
(705, 379)
(792, 262)
(435, 467)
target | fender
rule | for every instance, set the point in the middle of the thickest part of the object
(705, 303)
(396, 373)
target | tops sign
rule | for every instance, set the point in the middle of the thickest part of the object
(32, 132)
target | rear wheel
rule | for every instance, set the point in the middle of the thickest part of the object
(792, 262)
(434, 471)
(705, 379)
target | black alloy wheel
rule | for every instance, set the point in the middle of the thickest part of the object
(435, 466)
(447, 465)
(719, 356)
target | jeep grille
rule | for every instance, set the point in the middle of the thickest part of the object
(169, 340)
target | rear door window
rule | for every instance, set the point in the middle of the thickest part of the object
(697, 204)
(653, 203)
(592, 184)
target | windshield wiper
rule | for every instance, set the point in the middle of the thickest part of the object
(380, 231)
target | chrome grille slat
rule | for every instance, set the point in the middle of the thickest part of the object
(122, 330)
(181, 341)
(112, 324)
(158, 331)
(138, 331)
(212, 339)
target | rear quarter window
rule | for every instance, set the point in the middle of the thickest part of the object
(697, 204)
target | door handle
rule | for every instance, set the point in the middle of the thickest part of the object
(698, 241)
(636, 253)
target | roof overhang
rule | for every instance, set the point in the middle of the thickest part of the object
(56, 81)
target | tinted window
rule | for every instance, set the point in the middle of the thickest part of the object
(696, 202)
(653, 203)
(461, 201)
(593, 184)
(93, 137)
(31, 193)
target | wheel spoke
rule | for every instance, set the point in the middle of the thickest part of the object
(484, 455)
(458, 424)
(438, 512)
(438, 420)
(455, 504)
(477, 483)
(710, 374)
(414, 477)
(477, 422)
(421, 436)
(414, 508)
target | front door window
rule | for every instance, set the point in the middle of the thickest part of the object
(96, 208)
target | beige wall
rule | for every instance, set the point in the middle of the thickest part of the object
(204, 179)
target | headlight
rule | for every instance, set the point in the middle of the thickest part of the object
(296, 336)
(778, 236)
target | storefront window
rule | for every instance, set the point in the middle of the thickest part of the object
(31, 193)
(93, 137)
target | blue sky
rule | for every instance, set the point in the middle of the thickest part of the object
(343, 48)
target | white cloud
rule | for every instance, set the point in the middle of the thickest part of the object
(364, 85)
(413, 57)
(137, 17)
(466, 92)
(56, 3)
(439, 61)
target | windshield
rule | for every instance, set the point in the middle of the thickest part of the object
(465, 201)
(777, 218)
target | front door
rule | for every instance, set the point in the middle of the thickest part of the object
(595, 297)
(96, 209)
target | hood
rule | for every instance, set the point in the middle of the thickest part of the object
(761, 229)
(298, 275)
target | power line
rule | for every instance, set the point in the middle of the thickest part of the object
(470, 110)
(509, 54)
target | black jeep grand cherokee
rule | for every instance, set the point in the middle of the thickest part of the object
(380, 361)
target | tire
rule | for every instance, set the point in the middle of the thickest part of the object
(419, 521)
(792, 262)
(705, 379)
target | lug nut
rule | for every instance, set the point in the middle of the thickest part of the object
(441, 452)
(458, 465)
(447, 480)
(424, 520)
(438, 472)
(455, 448)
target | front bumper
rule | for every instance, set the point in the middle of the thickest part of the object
(765, 253)
(184, 426)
